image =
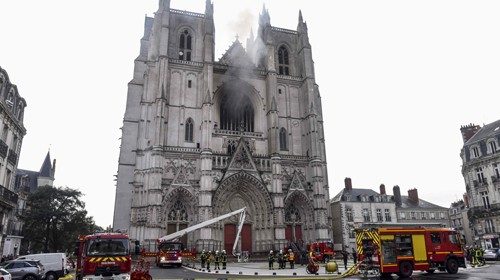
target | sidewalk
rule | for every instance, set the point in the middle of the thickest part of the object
(262, 268)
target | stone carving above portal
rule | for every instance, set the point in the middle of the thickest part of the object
(182, 171)
(242, 158)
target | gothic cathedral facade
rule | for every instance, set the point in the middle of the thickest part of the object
(203, 137)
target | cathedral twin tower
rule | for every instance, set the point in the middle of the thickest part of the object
(202, 138)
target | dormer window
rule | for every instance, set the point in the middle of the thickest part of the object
(283, 62)
(492, 146)
(475, 152)
(10, 99)
(185, 46)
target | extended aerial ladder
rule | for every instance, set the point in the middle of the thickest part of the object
(181, 233)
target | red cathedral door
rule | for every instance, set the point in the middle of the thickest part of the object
(289, 233)
(171, 228)
(230, 235)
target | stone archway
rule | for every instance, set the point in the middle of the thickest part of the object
(179, 212)
(244, 190)
(299, 218)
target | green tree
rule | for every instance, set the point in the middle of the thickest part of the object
(54, 219)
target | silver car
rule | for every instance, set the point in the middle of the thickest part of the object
(23, 270)
(492, 254)
(5, 274)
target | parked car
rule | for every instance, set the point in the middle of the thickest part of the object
(22, 270)
(53, 263)
(5, 275)
(492, 254)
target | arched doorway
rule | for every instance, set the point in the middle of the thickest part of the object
(299, 219)
(244, 190)
(179, 210)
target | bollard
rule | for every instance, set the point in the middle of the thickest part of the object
(227, 272)
(256, 273)
(240, 273)
(295, 274)
(274, 273)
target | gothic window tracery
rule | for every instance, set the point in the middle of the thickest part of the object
(236, 113)
(292, 215)
(178, 212)
(283, 61)
(283, 142)
(188, 134)
(185, 45)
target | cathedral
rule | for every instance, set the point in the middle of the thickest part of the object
(202, 137)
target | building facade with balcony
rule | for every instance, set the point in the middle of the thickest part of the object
(354, 208)
(481, 171)
(459, 220)
(12, 132)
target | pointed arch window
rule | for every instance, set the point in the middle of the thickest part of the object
(188, 135)
(283, 143)
(236, 113)
(185, 45)
(283, 62)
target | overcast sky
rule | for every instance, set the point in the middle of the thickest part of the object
(397, 80)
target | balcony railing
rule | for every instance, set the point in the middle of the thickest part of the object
(12, 158)
(3, 149)
(8, 197)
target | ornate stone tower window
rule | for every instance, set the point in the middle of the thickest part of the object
(185, 46)
(236, 112)
(283, 62)
(283, 144)
(188, 134)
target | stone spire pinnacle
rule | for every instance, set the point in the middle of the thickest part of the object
(264, 18)
(209, 8)
(300, 17)
(164, 5)
(207, 99)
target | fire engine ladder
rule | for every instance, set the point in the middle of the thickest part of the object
(180, 233)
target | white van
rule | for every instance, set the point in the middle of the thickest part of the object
(53, 263)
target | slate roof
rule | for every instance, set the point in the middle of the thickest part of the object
(32, 178)
(485, 132)
(407, 203)
(354, 192)
(46, 169)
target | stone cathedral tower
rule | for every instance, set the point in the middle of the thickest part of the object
(202, 137)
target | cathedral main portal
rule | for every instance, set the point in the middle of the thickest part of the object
(240, 190)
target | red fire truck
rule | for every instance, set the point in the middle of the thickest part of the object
(402, 250)
(323, 251)
(103, 255)
(172, 252)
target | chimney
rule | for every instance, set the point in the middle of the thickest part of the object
(382, 189)
(397, 196)
(466, 200)
(348, 184)
(468, 131)
(413, 195)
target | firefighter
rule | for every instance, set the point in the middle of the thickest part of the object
(210, 259)
(271, 260)
(291, 258)
(479, 252)
(280, 259)
(224, 259)
(217, 260)
(354, 256)
(345, 256)
(203, 258)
